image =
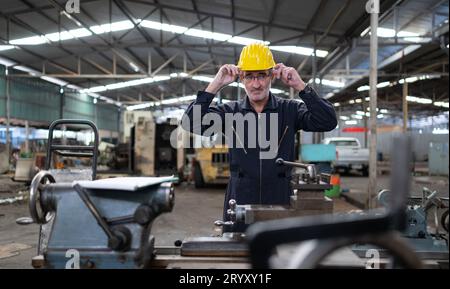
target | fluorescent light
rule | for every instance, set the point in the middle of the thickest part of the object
(384, 111)
(419, 99)
(33, 40)
(417, 78)
(65, 35)
(179, 99)
(173, 75)
(351, 101)
(385, 32)
(365, 32)
(360, 112)
(97, 89)
(343, 117)
(26, 69)
(379, 85)
(363, 88)
(300, 50)
(134, 66)
(123, 84)
(441, 103)
(71, 86)
(357, 116)
(367, 98)
(111, 27)
(351, 122)
(380, 115)
(163, 26)
(160, 78)
(55, 37)
(173, 28)
(139, 106)
(412, 37)
(54, 80)
(183, 74)
(331, 83)
(277, 91)
(383, 84)
(81, 32)
(151, 24)
(203, 78)
(408, 80)
(164, 101)
(208, 34)
(329, 95)
(337, 104)
(358, 100)
(390, 33)
(6, 47)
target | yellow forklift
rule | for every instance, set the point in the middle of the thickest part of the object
(211, 164)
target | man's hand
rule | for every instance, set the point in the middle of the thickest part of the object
(226, 75)
(289, 76)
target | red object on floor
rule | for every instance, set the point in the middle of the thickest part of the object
(354, 129)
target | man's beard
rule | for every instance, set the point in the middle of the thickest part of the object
(257, 94)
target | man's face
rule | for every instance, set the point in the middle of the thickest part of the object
(257, 83)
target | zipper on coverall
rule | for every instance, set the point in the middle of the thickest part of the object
(260, 160)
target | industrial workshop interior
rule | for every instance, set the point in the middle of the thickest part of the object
(224, 134)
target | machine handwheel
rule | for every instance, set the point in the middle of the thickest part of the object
(37, 212)
(311, 255)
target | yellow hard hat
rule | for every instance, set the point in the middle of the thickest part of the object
(256, 56)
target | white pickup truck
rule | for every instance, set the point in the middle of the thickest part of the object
(349, 154)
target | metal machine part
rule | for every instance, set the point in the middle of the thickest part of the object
(90, 151)
(108, 222)
(38, 211)
(336, 231)
(310, 168)
(426, 244)
(308, 199)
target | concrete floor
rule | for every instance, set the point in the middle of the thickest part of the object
(194, 214)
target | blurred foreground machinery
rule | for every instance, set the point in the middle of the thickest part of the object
(107, 224)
